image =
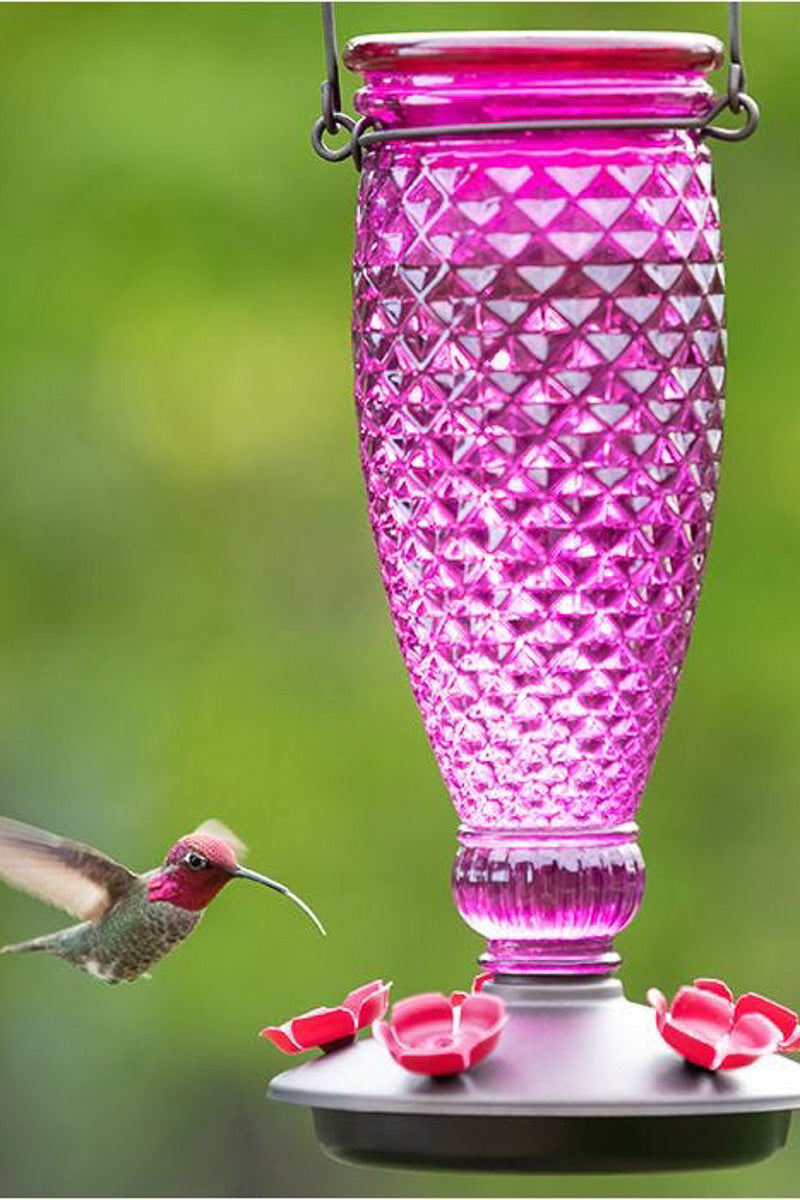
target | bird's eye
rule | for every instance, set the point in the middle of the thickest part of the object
(196, 861)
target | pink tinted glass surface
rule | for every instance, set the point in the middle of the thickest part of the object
(540, 365)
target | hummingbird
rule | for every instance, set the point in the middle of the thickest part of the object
(127, 921)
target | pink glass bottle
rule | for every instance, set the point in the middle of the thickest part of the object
(540, 366)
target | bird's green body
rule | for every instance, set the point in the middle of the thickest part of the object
(123, 945)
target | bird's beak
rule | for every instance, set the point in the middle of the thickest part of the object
(243, 873)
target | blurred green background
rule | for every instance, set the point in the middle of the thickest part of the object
(191, 621)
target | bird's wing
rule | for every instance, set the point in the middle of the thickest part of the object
(215, 828)
(82, 881)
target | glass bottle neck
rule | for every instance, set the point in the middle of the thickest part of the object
(445, 79)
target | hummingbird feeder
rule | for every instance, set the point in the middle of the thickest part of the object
(540, 353)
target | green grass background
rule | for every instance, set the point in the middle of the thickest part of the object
(191, 621)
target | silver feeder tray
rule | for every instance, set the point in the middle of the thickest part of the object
(580, 1081)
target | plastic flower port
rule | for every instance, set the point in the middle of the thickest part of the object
(436, 1035)
(705, 1025)
(328, 1029)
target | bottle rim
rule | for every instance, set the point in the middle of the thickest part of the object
(555, 50)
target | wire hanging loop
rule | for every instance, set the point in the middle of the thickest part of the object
(337, 121)
(737, 97)
(722, 132)
(332, 120)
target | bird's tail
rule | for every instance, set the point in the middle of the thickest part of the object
(46, 943)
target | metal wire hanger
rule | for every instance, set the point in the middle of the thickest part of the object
(332, 119)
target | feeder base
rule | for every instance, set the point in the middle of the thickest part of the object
(551, 1145)
(580, 1081)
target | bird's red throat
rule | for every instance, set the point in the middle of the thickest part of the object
(184, 888)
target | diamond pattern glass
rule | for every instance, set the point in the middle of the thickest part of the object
(540, 366)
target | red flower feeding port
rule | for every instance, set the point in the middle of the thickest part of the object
(331, 1028)
(708, 1029)
(432, 1034)
(540, 358)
